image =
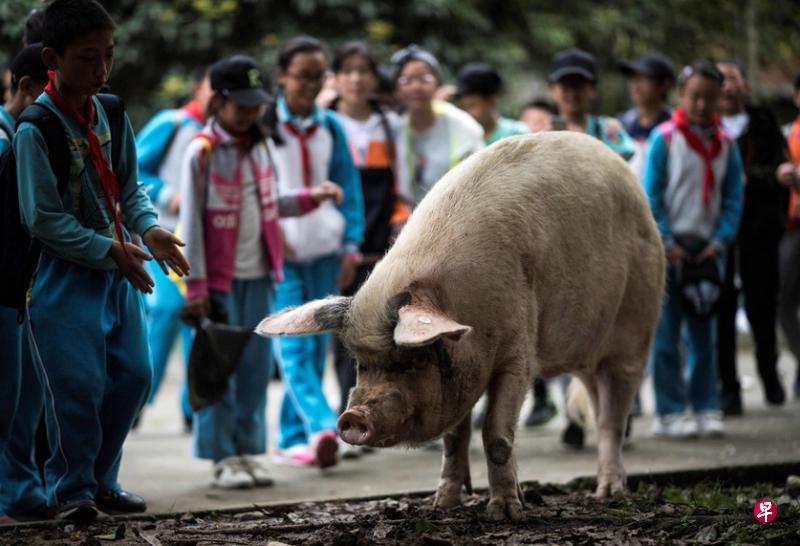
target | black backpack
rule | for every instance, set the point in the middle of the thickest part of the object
(19, 252)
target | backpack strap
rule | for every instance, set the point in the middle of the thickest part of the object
(115, 112)
(54, 136)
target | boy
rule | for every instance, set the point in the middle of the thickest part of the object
(478, 93)
(84, 310)
(753, 256)
(789, 299)
(537, 116)
(28, 78)
(160, 147)
(650, 77)
(693, 179)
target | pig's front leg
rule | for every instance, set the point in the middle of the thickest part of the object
(455, 465)
(506, 393)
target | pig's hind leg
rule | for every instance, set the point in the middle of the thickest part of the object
(506, 393)
(455, 465)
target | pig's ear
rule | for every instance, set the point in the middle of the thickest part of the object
(419, 325)
(312, 318)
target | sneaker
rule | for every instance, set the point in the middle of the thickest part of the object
(675, 425)
(325, 445)
(229, 473)
(299, 455)
(709, 424)
(78, 511)
(119, 501)
(257, 471)
(541, 414)
(572, 437)
(349, 452)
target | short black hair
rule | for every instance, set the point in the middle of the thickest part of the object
(355, 47)
(700, 67)
(478, 79)
(541, 104)
(298, 44)
(32, 33)
(66, 20)
(736, 64)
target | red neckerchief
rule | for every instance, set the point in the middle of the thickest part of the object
(303, 138)
(192, 108)
(696, 143)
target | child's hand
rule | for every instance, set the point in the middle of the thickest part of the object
(347, 274)
(198, 307)
(130, 265)
(676, 255)
(327, 190)
(708, 252)
(787, 174)
(164, 246)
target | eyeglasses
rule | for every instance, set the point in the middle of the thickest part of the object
(427, 79)
(304, 77)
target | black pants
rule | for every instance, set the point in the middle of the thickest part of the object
(757, 265)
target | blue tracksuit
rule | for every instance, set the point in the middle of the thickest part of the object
(160, 147)
(87, 319)
(304, 410)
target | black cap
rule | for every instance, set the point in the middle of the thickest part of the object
(28, 62)
(653, 65)
(240, 79)
(478, 79)
(573, 62)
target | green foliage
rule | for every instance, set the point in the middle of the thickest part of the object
(161, 41)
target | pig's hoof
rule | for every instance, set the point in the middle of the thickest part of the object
(502, 508)
(610, 486)
(448, 495)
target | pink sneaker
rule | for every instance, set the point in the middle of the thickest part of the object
(300, 455)
(326, 448)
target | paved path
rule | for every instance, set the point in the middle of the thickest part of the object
(158, 464)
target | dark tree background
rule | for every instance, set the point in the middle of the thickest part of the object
(160, 42)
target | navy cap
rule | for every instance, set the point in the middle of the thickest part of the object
(573, 62)
(653, 65)
(478, 79)
(28, 62)
(240, 79)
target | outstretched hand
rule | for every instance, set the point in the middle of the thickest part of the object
(164, 246)
(130, 265)
(327, 190)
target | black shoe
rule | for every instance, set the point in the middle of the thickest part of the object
(79, 511)
(118, 501)
(731, 404)
(540, 414)
(572, 436)
(773, 392)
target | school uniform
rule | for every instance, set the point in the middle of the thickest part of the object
(87, 319)
(161, 147)
(229, 218)
(313, 150)
(685, 203)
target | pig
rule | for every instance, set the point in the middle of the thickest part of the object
(537, 256)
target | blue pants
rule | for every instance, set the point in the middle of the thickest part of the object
(92, 337)
(305, 410)
(700, 384)
(10, 345)
(163, 320)
(21, 488)
(237, 424)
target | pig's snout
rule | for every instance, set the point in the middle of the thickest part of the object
(355, 428)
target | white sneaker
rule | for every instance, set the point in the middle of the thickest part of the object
(229, 473)
(675, 425)
(709, 423)
(257, 471)
(347, 451)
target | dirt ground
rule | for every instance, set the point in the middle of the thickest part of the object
(708, 512)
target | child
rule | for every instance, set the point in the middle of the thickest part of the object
(161, 147)
(789, 299)
(229, 213)
(478, 91)
(436, 134)
(693, 179)
(20, 488)
(374, 136)
(96, 362)
(537, 116)
(650, 77)
(322, 248)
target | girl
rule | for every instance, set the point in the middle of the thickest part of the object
(436, 135)
(229, 213)
(322, 248)
(373, 135)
